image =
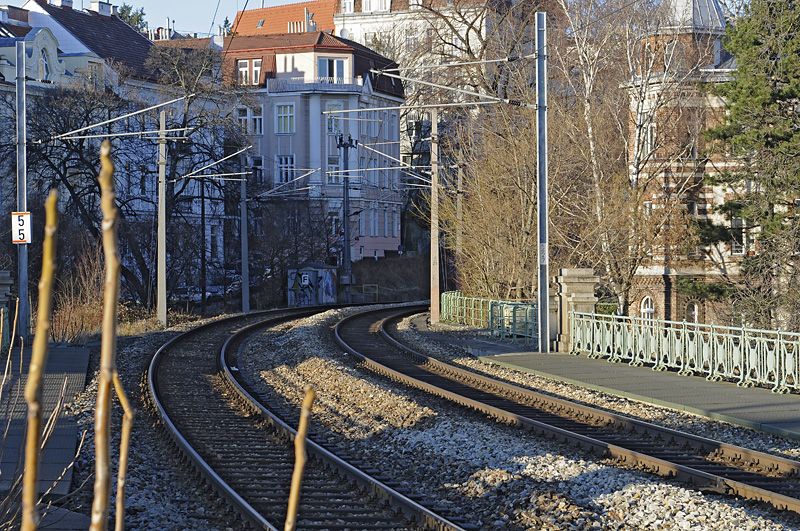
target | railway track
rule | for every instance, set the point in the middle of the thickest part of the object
(245, 450)
(705, 464)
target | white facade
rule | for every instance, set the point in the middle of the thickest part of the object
(296, 145)
(413, 35)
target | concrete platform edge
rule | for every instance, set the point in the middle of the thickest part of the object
(647, 400)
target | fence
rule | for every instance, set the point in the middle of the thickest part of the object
(514, 321)
(742, 355)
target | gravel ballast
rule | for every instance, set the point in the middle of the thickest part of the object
(495, 476)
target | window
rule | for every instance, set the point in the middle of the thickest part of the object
(373, 225)
(395, 224)
(243, 118)
(257, 167)
(347, 6)
(96, 75)
(257, 121)
(142, 179)
(647, 208)
(372, 174)
(244, 70)
(742, 240)
(370, 38)
(334, 121)
(386, 223)
(256, 71)
(415, 4)
(362, 223)
(285, 116)
(648, 309)
(260, 23)
(374, 124)
(258, 222)
(43, 68)
(692, 312)
(691, 209)
(334, 177)
(411, 40)
(214, 242)
(333, 223)
(330, 70)
(649, 133)
(367, 5)
(285, 168)
(363, 120)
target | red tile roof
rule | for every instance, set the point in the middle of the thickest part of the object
(276, 19)
(364, 58)
(313, 39)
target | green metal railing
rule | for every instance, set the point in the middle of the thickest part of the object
(470, 311)
(511, 321)
(744, 355)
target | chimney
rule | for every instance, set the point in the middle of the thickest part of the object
(102, 8)
(62, 3)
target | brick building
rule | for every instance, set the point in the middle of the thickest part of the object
(668, 154)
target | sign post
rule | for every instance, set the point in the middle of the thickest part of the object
(23, 319)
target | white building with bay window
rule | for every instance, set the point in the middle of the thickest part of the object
(311, 90)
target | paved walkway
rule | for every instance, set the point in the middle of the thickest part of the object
(66, 368)
(756, 408)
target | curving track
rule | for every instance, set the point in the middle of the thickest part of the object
(706, 464)
(246, 452)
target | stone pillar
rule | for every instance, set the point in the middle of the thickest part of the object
(575, 293)
(5, 302)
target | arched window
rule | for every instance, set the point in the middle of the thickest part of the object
(43, 69)
(692, 312)
(647, 308)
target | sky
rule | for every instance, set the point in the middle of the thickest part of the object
(189, 15)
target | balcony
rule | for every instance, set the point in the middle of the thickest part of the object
(315, 84)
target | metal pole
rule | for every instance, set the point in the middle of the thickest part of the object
(245, 252)
(347, 277)
(460, 211)
(202, 247)
(542, 206)
(22, 194)
(161, 266)
(434, 215)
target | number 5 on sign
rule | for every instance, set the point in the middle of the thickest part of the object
(21, 227)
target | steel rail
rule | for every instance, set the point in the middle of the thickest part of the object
(219, 486)
(410, 508)
(699, 478)
(772, 462)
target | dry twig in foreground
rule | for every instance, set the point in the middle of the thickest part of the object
(33, 387)
(108, 364)
(300, 460)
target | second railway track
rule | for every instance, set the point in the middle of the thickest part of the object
(704, 463)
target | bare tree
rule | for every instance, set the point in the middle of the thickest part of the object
(204, 118)
(632, 71)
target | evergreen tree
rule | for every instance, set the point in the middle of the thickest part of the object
(762, 132)
(133, 17)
